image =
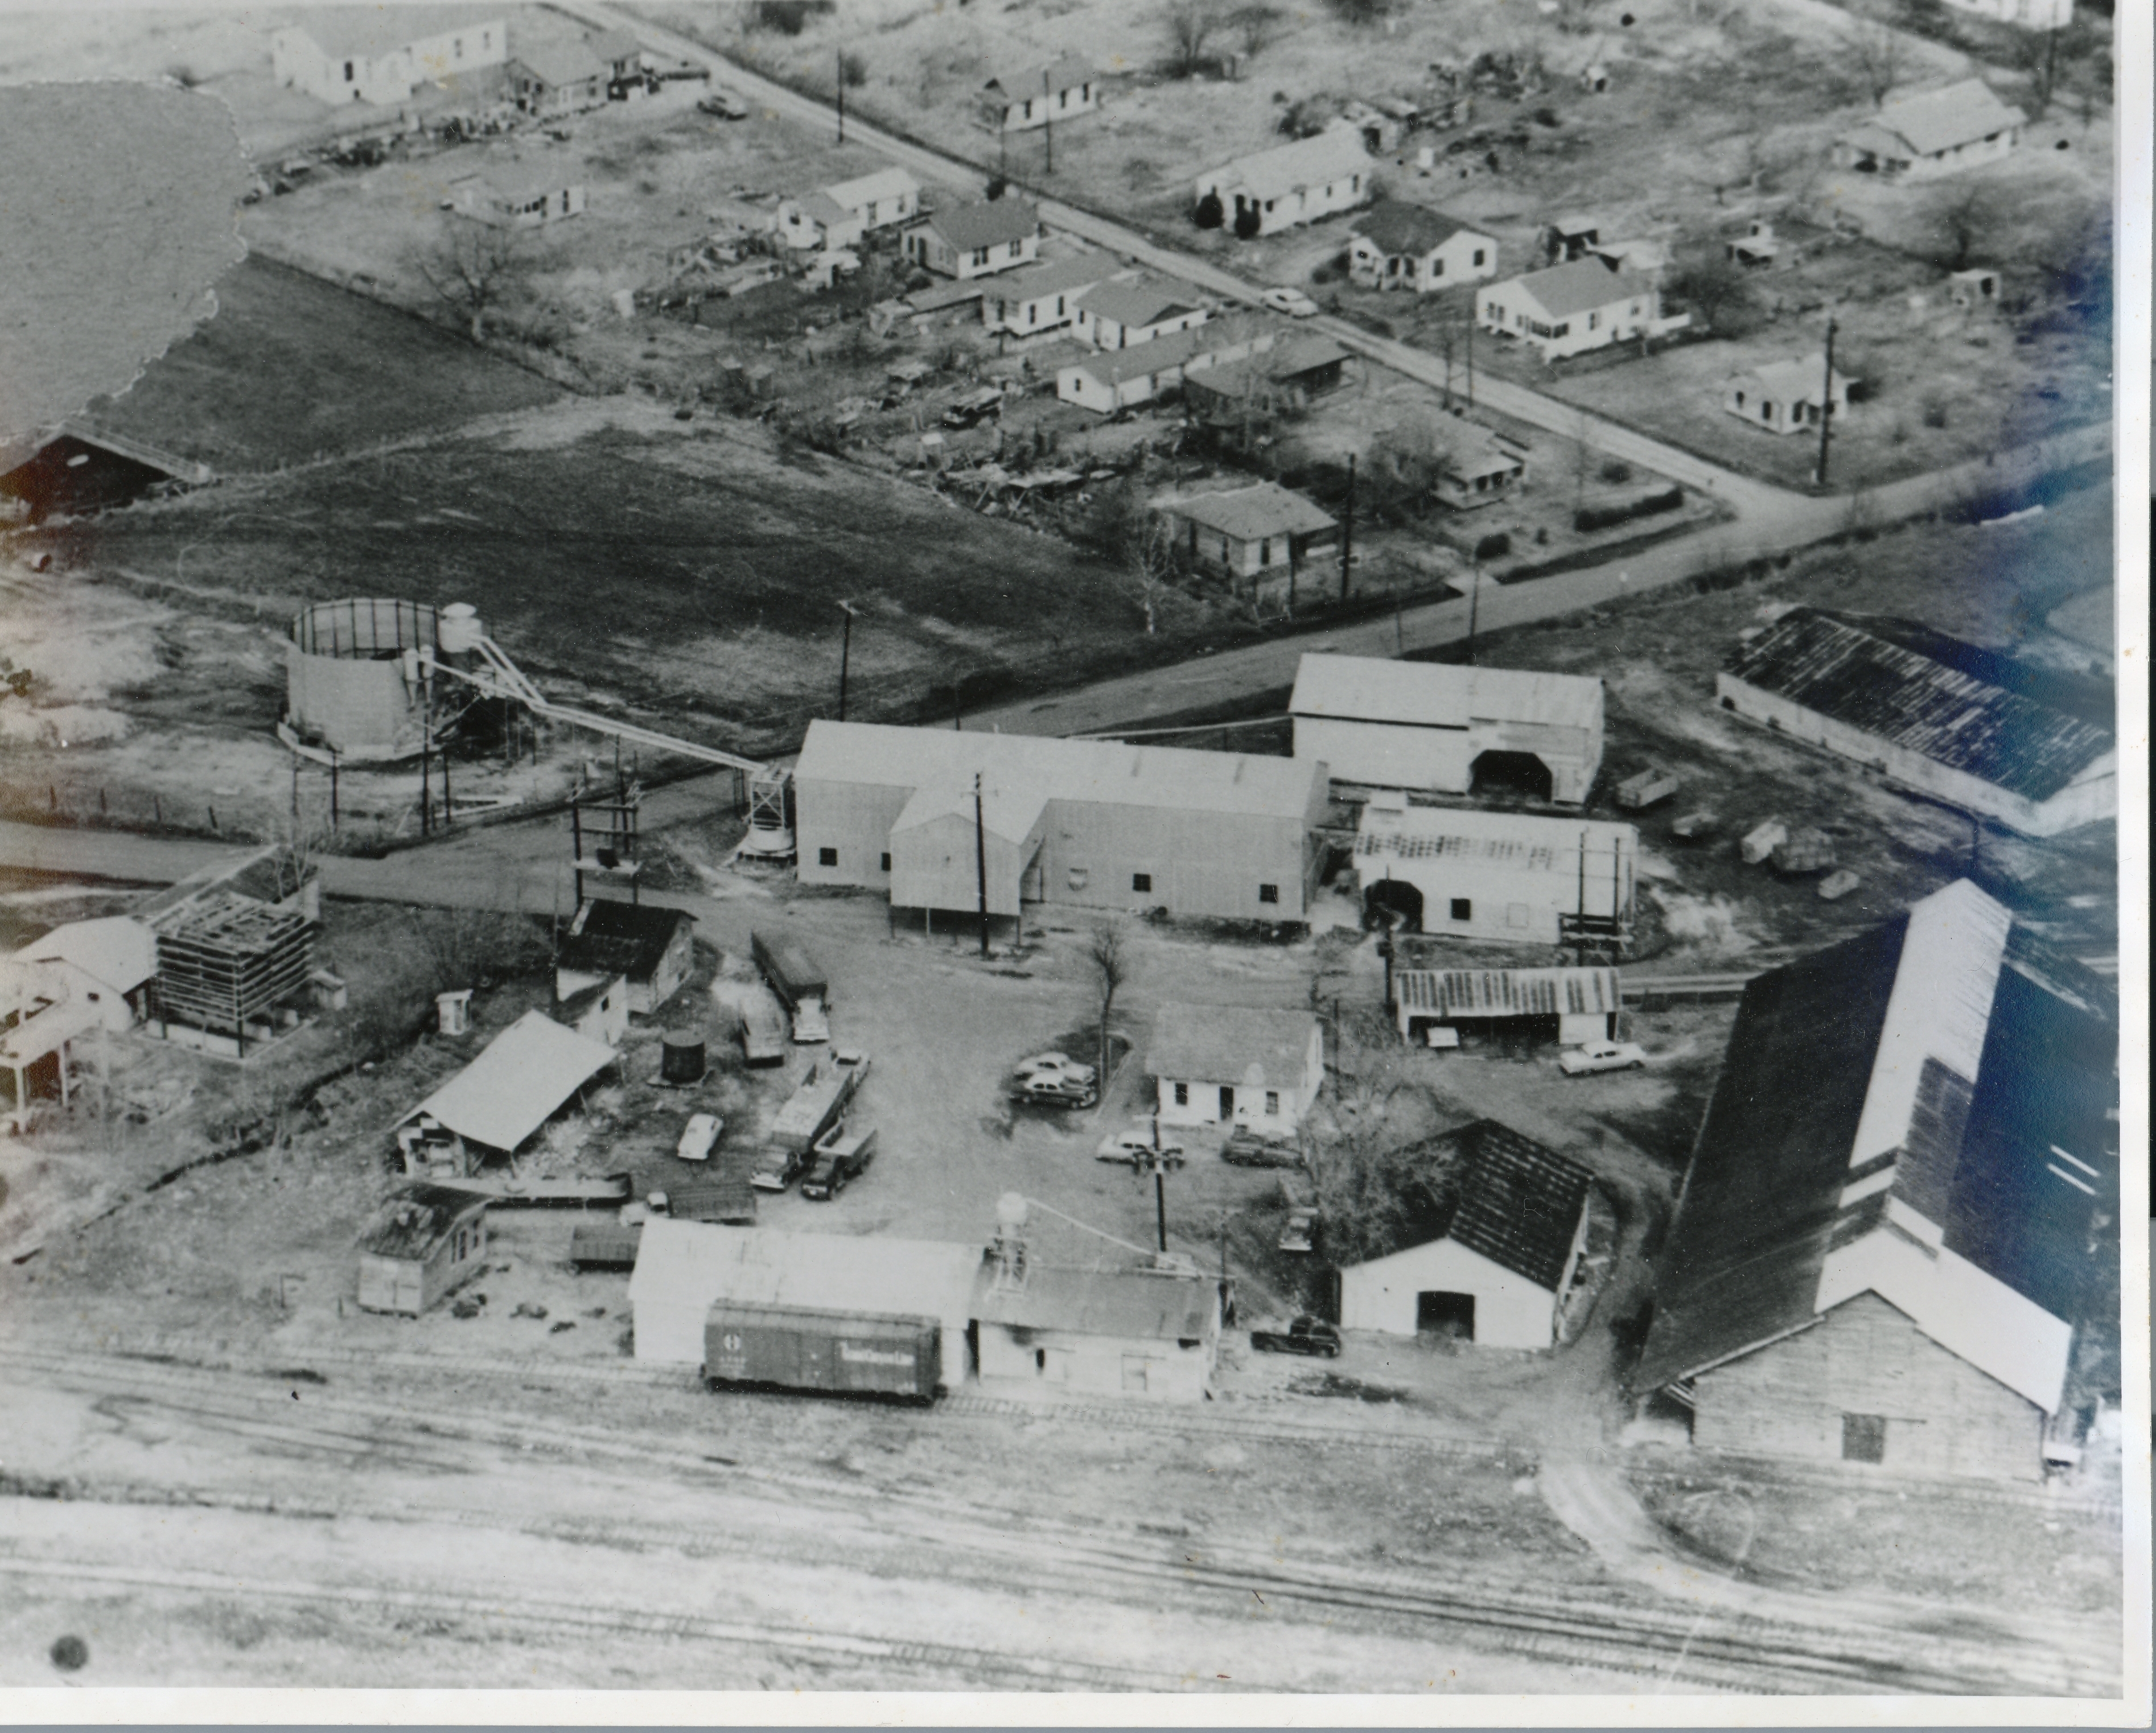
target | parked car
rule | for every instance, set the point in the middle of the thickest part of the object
(724, 104)
(1601, 1056)
(1305, 1336)
(843, 1157)
(1293, 302)
(1246, 1148)
(698, 1136)
(1301, 1233)
(1058, 1065)
(1134, 1148)
(1050, 1091)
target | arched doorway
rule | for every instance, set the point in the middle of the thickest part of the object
(1395, 900)
(1517, 773)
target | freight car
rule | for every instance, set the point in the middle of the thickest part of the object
(841, 1353)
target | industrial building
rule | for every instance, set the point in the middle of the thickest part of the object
(1137, 1332)
(1227, 1065)
(1438, 728)
(495, 1106)
(1485, 1251)
(2031, 750)
(1566, 1005)
(377, 54)
(235, 953)
(40, 1022)
(1903, 1197)
(1086, 823)
(425, 1241)
(352, 680)
(653, 948)
(1503, 876)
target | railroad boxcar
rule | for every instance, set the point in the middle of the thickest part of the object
(806, 1348)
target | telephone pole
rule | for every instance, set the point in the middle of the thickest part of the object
(981, 858)
(1348, 529)
(845, 652)
(1826, 401)
(1047, 125)
(841, 53)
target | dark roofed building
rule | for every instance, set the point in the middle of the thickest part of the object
(1883, 1243)
(1486, 1254)
(424, 1241)
(1286, 377)
(652, 948)
(1262, 532)
(1862, 689)
(1400, 245)
(977, 240)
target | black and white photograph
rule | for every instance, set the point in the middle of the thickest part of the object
(1211, 858)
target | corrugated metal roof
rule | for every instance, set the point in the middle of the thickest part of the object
(1936, 121)
(1508, 993)
(413, 1221)
(1438, 694)
(702, 1265)
(1834, 666)
(1224, 1043)
(1519, 1202)
(1582, 286)
(728, 1197)
(516, 1085)
(1248, 513)
(1522, 842)
(1126, 1304)
(1107, 771)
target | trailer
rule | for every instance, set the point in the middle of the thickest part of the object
(834, 1352)
(605, 1245)
(1760, 843)
(820, 1102)
(1643, 790)
(800, 985)
(763, 1030)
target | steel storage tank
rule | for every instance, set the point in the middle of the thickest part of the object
(352, 683)
(681, 1058)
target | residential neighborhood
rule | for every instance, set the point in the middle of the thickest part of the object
(1132, 848)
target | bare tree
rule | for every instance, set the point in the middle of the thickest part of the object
(1190, 25)
(1255, 28)
(1405, 462)
(1877, 55)
(1112, 968)
(1372, 1172)
(474, 268)
(471, 947)
(1964, 215)
(1149, 565)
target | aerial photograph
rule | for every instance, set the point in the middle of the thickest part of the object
(1200, 847)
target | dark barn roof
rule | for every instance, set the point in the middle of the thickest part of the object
(1855, 673)
(1513, 1201)
(611, 938)
(414, 1220)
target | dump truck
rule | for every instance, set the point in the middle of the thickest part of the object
(800, 984)
(1650, 786)
(806, 1348)
(818, 1104)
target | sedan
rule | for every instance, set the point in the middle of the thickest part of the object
(1245, 1148)
(723, 104)
(1293, 302)
(1301, 1233)
(1046, 1090)
(1601, 1056)
(1135, 1148)
(698, 1136)
(1059, 1066)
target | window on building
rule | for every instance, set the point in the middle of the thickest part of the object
(827, 857)
(1272, 1104)
(1593, 321)
(1355, 183)
(1017, 248)
(1141, 881)
(1063, 98)
(486, 40)
(886, 863)
(1478, 255)
(1864, 1437)
(1740, 400)
(457, 47)
(1027, 114)
(348, 72)
(1463, 908)
(1182, 1094)
(1766, 408)
(1264, 550)
(1085, 93)
(1563, 330)
(980, 255)
(1059, 306)
(1436, 267)
(1268, 892)
(1032, 312)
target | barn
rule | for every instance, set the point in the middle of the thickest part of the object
(1086, 823)
(425, 1241)
(1504, 876)
(2030, 749)
(653, 948)
(1438, 728)
(1485, 1255)
(1888, 1232)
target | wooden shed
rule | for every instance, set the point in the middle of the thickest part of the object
(426, 1241)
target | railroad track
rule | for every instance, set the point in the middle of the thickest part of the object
(1665, 1643)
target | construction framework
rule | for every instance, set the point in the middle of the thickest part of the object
(226, 963)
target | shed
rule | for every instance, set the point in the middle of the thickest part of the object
(1569, 1005)
(519, 197)
(1447, 729)
(1145, 1333)
(425, 1242)
(521, 1079)
(653, 948)
(1487, 1255)
(108, 962)
(1480, 473)
(1227, 1065)
(1976, 287)
(1502, 876)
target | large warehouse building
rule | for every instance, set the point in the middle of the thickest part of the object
(1094, 823)
(1508, 876)
(1446, 729)
(2031, 750)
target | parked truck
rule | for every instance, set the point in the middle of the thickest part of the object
(763, 1029)
(799, 983)
(806, 1348)
(818, 1104)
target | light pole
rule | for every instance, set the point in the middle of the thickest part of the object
(1159, 1186)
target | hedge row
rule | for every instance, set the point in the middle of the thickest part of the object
(1603, 517)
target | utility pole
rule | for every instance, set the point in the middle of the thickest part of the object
(1348, 529)
(1047, 122)
(1471, 357)
(981, 858)
(846, 650)
(1159, 1185)
(1826, 402)
(1474, 604)
(842, 95)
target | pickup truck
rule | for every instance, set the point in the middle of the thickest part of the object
(800, 984)
(841, 1157)
(1305, 1336)
(818, 1105)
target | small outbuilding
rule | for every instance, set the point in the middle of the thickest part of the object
(426, 1241)
(1144, 1332)
(653, 948)
(516, 197)
(598, 1012)
(1486, 1253)
(1480, 474)
(521, 1079)
(1976, 287)
(1283, 378)
(1567, 1005)
(1229, 1065)
(1788, 396)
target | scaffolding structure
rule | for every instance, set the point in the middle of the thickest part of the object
(226, 963)
(603, 836)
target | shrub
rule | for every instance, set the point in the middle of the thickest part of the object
(1616, 471)
(1935, 412)
(854, 69)
(1247, 222)
(1493, 547)
(787, 16)
(1603, 517)
(1546, 117)
(1208, 213)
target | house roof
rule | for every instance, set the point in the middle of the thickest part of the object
(1510, 1200)
(116, 949)
(863, 189)
(986, 222)
(1938, 1049)
(1145, 301)
(1177, 349)
(413, 1220)
(706, 1264)
(822, 208)
(1441, 694)
(1246, 513)
(1846, 667)
(1286, 361)
(726, 1196)
(1055, 276)
(1935, 120)
(518, 182)
(516, 1083)
(1127, 1303)
(1520, 841)
(1508, 993)
(612, 45)
(559, 63)
(1487, 458)
(1580, 287)
(1394, 225)
(615, 938)
(1108, 772)
(1063, 72)
(1288, 168)
(1229, 1044)
(351, 32)
(1794, 382)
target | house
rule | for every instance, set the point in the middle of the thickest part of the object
(599, 1011)
(1074, 822)
(977, 240)
(1505, 877)
(1787, 397)
(1147, 1332)
(1124, 311)
(622, 55)
(1289, 374)
(1442, 728)
(552, 79)
(2028, 14)
(818, 222)
(1486, 1254)
(685, 1269)
(1977, 287)
(41, 1021)
(1934, 133)
(1121, 378)
(2032, 751)
(1569, 1006)
(495, 1106)
(1480, 473)
(383, 53)
(889, 196)
(1569, 308)
(653, 948)
(1756, 247)
(1043, 297)
(1027, 97)
(1261, 532)
(1399, 245)
(425, 1241)
(108, 963)
(1271, 190)
(1224, 1065)
(1887, 1232)
(513, 197)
